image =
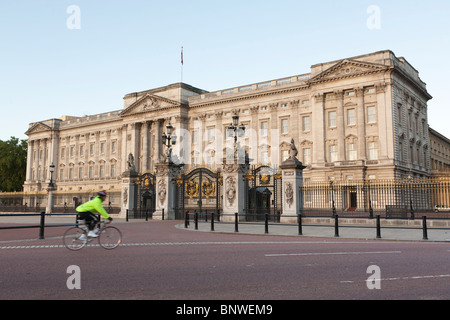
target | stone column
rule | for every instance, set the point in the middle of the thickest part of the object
(123, 147)
(340, 123)
(234, 187)
(129, 190)
(29, 160)
(157, 142)
(166, 190)
(361, 114)
(135, 144)
(254, 138)
(292, 197)
(36, 159)
(318, 134)
(145, 157)
(45, 164)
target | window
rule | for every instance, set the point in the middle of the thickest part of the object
(63, 153)
(351, 117)
(332, 119)
(333, 153)
(264, 128)
(114, 146)
(351, 154)
(246, 131)
(80, 173)
(210, 134)
(102, 171)
(91, 171)
(102, 148)
(91, 149)
(81, 151)
(72, 151)
(61, 174)
(194, 137)
(371, 114)
(70, 173)
(306, 124)
(113, 170)
(306, 156)
(284, 126)
(373, 151)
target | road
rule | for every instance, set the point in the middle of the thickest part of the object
(161, 262)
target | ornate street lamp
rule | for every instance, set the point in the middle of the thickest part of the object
(169, 140)
(236, 130)
(51, 185)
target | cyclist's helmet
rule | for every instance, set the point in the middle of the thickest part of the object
(102, 193)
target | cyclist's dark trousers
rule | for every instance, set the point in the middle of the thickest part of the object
(91, 219)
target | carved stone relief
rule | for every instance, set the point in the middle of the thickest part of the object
(289, 194)
(162, 191)
(230, 190)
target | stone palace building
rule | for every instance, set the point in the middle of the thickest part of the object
(364, 117)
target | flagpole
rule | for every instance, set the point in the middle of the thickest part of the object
(182, 62)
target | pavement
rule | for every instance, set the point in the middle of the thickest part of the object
(400, 233)
(315, 230)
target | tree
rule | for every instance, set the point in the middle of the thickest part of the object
(13, 164)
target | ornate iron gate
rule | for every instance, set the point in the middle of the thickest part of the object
(146, 197)
(199, 191)
(264, 187)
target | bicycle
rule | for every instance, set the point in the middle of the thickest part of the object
(76, 238)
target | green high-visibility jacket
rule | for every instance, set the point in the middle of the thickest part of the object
(93, 206)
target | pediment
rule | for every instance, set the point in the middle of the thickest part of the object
(348, 68)
(149, 103)
(38, 127)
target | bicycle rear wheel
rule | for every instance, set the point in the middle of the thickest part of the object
(73, 238)
(110, 238)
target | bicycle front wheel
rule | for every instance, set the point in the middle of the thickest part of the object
(74, 238)
(110, 238)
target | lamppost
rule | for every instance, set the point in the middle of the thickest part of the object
(370, 201)
(236, 130)
(332, 198)
(50, 189)
(410, 197)
(51, 185)
(169, 140)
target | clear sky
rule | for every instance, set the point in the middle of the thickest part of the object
(49, 67)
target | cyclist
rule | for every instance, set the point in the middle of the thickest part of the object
(87, 212)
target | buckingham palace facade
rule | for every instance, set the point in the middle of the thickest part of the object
(364, 117)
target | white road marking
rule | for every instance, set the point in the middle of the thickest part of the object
(330, 253)
(188, 244)
(402, 278)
